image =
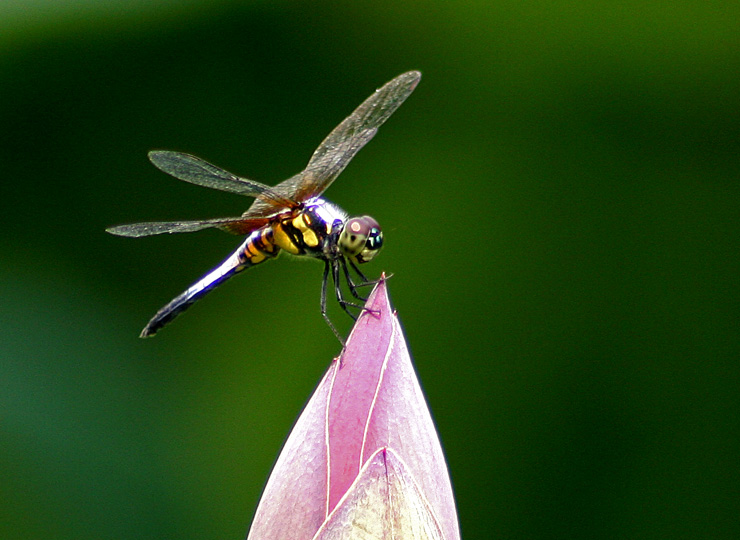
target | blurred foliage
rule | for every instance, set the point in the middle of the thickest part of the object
(560, 202)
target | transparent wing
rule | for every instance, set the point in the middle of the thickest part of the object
(198, 171)
(343, 143)
(237, 225)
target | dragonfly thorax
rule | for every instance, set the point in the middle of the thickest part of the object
(311, 230)
(324, 211)
(322, 229)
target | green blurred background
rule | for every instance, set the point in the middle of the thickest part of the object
(560, 198)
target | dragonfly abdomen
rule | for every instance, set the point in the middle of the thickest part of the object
(258, 247)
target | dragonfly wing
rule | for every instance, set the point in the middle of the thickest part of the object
(343, 143)
(198, 171)
(238, 225)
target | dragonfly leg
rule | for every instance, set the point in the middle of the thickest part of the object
(323, 303)
(366, 282)
(338, 291)
(352, 285)
(340, 297)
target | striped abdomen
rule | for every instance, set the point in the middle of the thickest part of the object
(258, 247)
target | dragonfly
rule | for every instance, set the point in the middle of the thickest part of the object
(291, 216)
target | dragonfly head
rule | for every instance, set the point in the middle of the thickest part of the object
(361, 238)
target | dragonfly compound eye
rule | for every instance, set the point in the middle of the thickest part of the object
(361, 239)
